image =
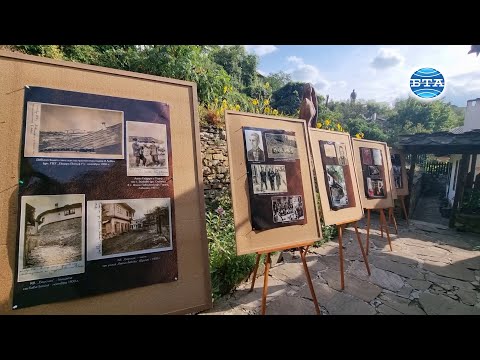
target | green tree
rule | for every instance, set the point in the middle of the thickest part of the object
(278, 80)
(288, 98)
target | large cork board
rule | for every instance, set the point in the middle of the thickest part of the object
(192, 291)
(247, 239)
(372, 203)
(341, 143)
(399, 156)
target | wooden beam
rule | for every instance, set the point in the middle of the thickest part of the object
(471, 172)
(411, 174)
(462, 177)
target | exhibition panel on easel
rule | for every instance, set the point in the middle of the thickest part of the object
(335, 171)
(400, 179)
(272, 184)
(95, 210)
(372, 173)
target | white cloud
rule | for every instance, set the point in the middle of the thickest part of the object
(261, 50)
(387, 58)
(264, 73)
(307, 73)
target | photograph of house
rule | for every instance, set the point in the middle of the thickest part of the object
(128, 227)
(52, 236)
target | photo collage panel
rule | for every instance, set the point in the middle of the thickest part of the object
(373, 173)
(397, 171)
(273, 168)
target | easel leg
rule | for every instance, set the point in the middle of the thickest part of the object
(303, 254)
(391, 218)
(340, 252)
(361, 248)
(384, 220)
(368, 229)
(255, 272)
(265, 284)
(381, 228)
(402, 201)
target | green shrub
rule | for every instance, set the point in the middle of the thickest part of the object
(226, 268)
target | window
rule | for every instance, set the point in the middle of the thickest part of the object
(69, 211)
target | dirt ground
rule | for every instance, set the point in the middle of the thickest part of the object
(133, 241)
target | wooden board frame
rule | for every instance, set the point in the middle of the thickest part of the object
(379, 203)
(403, 191)
(192, 291)
(390, 172)
(344, 215)
(248, 240)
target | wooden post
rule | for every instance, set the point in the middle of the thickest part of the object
(471, 172)
(303, 255)
(265, 284)
(368, 230)
(340, 252)
(462, 177)
(255, 271)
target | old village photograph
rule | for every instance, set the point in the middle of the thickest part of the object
(268, 179)
(147, 150)
(52, 236)
(73, 132)
(281, 146)
(337, 188)
(128, 227)
(287, 209)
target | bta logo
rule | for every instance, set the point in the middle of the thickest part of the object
(427, 84)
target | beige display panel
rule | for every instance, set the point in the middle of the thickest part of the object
(247, 239)
(354, 210)
(403, 189)
(192, 291)
(372, 203)
(390, 171)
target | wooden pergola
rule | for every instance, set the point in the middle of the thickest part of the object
(440, 144)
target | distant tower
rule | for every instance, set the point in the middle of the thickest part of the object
(353, 96)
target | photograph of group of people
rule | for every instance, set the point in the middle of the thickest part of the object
(287, 208)
(373, 173)
(269, 179)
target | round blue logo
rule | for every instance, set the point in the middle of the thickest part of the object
(427, 83)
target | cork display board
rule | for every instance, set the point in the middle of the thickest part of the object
(400, 178)
(272, 186)
(335, 171)
(372, 173)
(95, 155)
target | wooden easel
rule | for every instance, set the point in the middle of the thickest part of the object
(391, 220)
(303, 253)
(340, 249)
(383, 223)
(402, 201)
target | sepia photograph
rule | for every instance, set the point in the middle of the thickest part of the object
(287, 208)
(268, 179)
(398, 181)
(254, 145)
(377, 157)
(375, 188)
(73, 132)
(147, 150)
(281, 146)
(341, 154)
(366, 154)
(128, 227)
(373, 170)
(337, 188)
(51, 236)
(329, 149)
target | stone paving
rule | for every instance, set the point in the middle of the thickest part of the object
(432, 270)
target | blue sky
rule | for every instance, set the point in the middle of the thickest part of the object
(376, 72)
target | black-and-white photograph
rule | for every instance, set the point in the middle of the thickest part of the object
(51, 236)
(73, 132)
(147, 149)
(341, 154)
(373, 170)
(337, 188)
(254, 144)
(281, 146)
(128, 227)
(377, 156)
(268, 179)
(398, 182)
(287, 208)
